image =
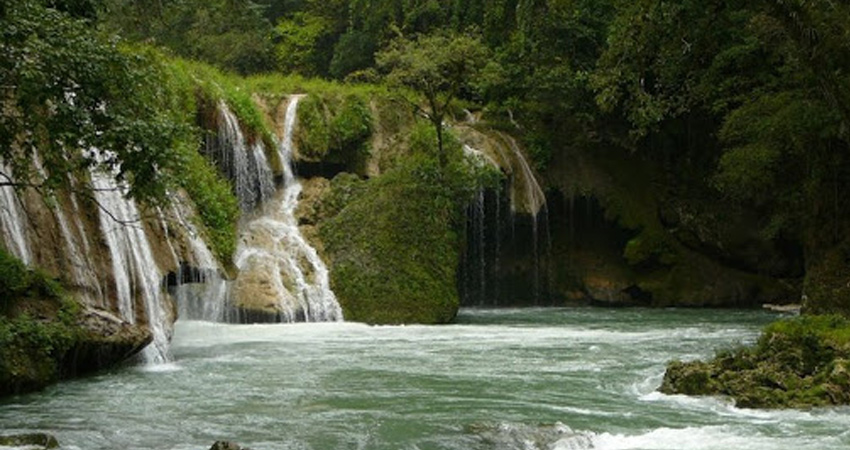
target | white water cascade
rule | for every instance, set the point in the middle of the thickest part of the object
(273, 252)
(134, 269)
(531, 194)
(483, 272)
(206, 295)
(248, 170)
(83, 275)
(13, 220)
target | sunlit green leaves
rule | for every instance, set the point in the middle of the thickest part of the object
(66, 89)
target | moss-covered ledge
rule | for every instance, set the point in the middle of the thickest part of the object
(797, 363)
(46, 336)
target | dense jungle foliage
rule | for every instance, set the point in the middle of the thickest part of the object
(746, 102)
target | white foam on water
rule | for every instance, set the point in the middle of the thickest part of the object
(168, 367)
(721, 437)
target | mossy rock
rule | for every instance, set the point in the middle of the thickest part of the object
(46, 336)
(694, 378)
(334, 128)
(30, 440)
(394, 247)
(800, 363)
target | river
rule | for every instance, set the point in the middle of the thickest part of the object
(571, 378)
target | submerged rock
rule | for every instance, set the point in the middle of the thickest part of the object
(508, 436)
(225, 445)
(30, 440)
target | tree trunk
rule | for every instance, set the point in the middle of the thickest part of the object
(442, 153)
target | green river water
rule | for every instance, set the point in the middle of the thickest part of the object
(498, 379)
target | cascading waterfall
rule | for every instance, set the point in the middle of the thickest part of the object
(482, 259)
(201, 293)
(83, 276)
(534, 200)
(13, 219)
(265, 177)
(527, 221)
(134, 269)
(476, 280)
(272, 245)
(248, 171)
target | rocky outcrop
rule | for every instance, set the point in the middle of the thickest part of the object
(103, 340)
(800, 363)
(392, 250)
(46, 336)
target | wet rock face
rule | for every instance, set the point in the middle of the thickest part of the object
(105, 340)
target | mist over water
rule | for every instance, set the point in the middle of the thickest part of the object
(498, 379)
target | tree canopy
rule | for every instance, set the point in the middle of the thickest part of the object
(747, 102)
(439, 67)
(66, 88)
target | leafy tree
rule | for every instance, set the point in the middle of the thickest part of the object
(768, 82)
(67, 89)
(440, 67)
(299, 43)
(232, 34)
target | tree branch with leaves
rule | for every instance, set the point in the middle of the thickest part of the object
(440, 67)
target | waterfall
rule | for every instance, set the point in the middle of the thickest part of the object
(82, 273)
(482, 242)
(248, 171)
(273, 251)
(531, 194)
(265, 177)
(134, 270)
(202, 292)
(83, 276)
(524, 238)
(13, 220)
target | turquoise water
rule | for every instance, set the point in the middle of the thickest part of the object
(498, 379)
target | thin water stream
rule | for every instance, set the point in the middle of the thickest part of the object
(498, 379)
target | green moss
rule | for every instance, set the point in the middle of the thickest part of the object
(37, 327)
(344, 189)
(394, 252)
(212, 85)
(217, 207)
(195, 90)
(335, 129)
(797, 363)
(826, 287)
(395, 242)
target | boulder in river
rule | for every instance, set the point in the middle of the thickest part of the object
(225, 445)
(30, 440)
